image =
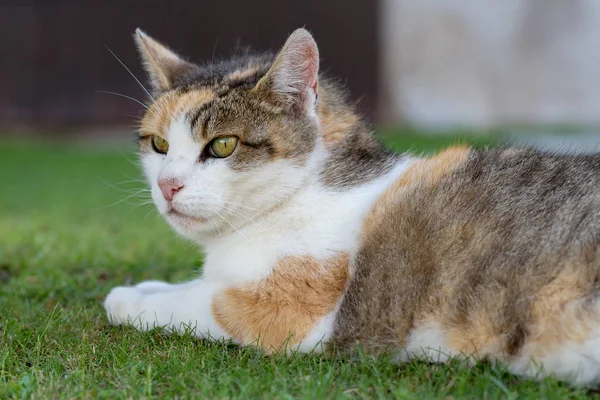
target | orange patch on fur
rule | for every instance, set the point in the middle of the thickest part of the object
(561, 313)
(283, 308)
(169, 107)
(335, 124)
(431, 170)
(428, 172)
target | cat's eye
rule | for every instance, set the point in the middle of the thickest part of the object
(222, 147)
(159, 144)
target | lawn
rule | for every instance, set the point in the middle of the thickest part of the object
(74, 222)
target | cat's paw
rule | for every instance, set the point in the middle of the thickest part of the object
(122, 305)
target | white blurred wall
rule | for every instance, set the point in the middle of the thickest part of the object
(481, 63)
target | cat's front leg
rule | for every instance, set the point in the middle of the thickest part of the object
(172, 307)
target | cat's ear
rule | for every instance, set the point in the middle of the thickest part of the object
(162, 65)
(293, 79)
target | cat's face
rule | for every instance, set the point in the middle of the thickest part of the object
(220, 150)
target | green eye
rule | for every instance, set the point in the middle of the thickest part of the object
(223, 146)
(160, 145)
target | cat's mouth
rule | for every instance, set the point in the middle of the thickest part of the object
(184, 217)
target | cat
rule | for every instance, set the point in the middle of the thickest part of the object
(319, 239)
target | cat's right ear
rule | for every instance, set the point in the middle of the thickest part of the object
(162, 65)
(293, 78)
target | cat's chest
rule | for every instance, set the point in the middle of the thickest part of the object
(320, 228)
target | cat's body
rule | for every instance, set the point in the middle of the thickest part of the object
(317, 238)
(489, 253)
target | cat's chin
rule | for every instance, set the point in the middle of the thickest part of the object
(184, 218)
(185, 224)
(190, 227)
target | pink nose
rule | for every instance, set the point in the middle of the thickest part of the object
(169, 187)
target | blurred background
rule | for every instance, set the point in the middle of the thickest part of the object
(429, 64)
(54, 53)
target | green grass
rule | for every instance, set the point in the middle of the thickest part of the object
(67, 236)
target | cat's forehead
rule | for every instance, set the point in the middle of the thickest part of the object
(208, 111)
(173, 106)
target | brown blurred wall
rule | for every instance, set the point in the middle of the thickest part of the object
(53, 55)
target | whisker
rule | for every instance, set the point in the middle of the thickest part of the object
(131, 73)
(146, 202)
(236, 229)
(213, 79)
(241, 205)
(131, 181)
(134, 205)
(150, 212)
(128, 190)
(128, 183)
(137, 193)
(239, 213)
(215, 209)
(126, 156)
(122, 95)
(133, 116)
(126, 175)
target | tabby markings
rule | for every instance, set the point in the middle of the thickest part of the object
(170, 107)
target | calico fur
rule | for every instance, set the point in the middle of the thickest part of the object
(317, 238)
(498, 255)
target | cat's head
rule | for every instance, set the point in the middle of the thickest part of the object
(225, 142)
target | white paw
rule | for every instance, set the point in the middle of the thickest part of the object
(123, 305)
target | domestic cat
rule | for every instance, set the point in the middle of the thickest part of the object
(317, 238)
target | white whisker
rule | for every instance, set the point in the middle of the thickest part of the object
(125, 190)
(241, 205)
(131, 181)
(122, 95)
(131, 73)
(137, 165)
(148, 202)
(213, 79)
(132, 177)
(150, 212)
(236, 229)
(239, 213)
(137, 193)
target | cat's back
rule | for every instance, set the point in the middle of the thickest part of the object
(485, 246)
(497, 204)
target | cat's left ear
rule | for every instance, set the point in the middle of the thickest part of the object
(163, 66)
(293, 79)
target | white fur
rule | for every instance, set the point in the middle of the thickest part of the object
(427, 343)
(319, 335)
(172, 307)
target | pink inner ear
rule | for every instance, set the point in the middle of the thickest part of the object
(295, 72)
(299, 67)
(312, 69)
